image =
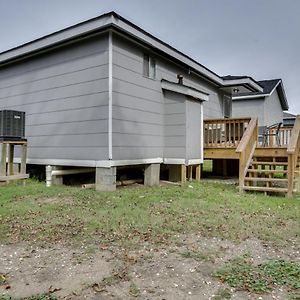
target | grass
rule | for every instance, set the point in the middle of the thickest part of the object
(223, 294)
(134, 290)
(36, 297)
(243, 274)
(207, 165)
(198, 255)
(70, 214)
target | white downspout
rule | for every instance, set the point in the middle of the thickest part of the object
(110, 86)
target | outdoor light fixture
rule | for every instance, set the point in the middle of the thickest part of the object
(235, 90)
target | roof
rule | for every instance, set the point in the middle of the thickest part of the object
(113, 21)
(287, 115)
(269, 86)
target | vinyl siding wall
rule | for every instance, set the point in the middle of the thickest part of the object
(268, 109)
(273, 110)
(175, 125)
(139, 110)
(65, 96)
(249, 108)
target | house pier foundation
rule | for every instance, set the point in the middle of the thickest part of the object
(106, 179)
(151, 175)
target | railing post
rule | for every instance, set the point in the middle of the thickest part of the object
(291, 171)
(241, 171)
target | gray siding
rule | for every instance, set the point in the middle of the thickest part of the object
(65, 96)
(273, 109)
(268, 110)
(139, 108)
(249, 108)
(175, 125)
(193, 129)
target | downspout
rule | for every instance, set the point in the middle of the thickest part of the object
(110, 86)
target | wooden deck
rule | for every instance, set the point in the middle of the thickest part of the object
(260, 162)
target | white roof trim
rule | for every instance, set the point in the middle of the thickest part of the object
(275, 87)
(250, 96)
(56, 38)
(257, 95)
(248, 81)
(184, 90)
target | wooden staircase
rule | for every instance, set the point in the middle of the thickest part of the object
(268, 174)
(270, 169)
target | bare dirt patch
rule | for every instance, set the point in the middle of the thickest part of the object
(181, 270)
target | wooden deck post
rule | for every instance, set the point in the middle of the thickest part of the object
(11, 148)
(198, 172)
(190, 173)
(3, 159)
(177, 173)
(23, 158)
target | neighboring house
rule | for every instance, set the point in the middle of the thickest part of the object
(267, 105)
(288, 119)
(105, 93)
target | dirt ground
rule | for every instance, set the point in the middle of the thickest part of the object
(160, 272)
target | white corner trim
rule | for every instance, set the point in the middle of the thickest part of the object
(110, 86)
(174, 161)
(202, 133)
(194, 161)
(185, 90)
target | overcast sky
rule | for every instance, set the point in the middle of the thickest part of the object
(260, 38)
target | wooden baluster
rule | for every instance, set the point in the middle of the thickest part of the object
(234, 133)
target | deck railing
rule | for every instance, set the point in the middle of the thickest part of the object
(293, 153)
(224, 132)
(246, 150)
(284, 136)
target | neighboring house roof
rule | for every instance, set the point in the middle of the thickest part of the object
(269, 86)
(287, 115)
(114, 21)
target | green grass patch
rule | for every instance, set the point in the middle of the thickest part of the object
(207, 166)
(223, 294)
(242, 274)
(36, 297)
(129, 215)
(198, 255)
(134, 290)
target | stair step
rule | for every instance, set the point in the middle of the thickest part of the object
(265, 189)
(271, 163)
(267, 171)
(266, 179)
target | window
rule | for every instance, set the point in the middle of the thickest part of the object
(227, 106)
(149, 66)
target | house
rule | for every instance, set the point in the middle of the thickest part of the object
(104, 94)
(288, 119)
(267, 105)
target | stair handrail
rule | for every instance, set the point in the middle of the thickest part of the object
(246, 149)
(293, 152)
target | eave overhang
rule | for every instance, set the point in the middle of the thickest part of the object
(184, 90)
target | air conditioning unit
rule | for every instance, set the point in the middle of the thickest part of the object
(12, 125)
